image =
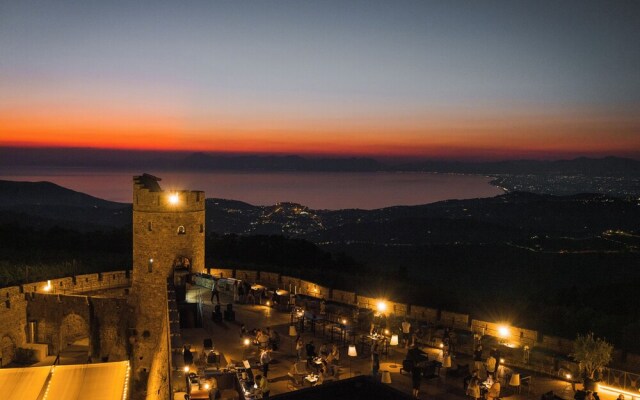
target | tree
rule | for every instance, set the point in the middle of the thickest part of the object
(592, 354)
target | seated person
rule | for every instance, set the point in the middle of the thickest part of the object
(334, 356)
(494, 391)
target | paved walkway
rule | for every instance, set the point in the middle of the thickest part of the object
(226, 339)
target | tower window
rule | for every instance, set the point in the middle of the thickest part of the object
(150, 265)
(181, 230)
(201, 228)
(149, 227)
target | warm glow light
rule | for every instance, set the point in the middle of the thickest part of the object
(268, 303)
(502, 361)
(503, 331)
(394, 340)
(344, 321)
(186, 368)
(568, 376)
(615, 390)
(382, 306)
(441, 345)
(206, 386)
(247, 342)
(386, 331)
(174, 198)
(48, 287)
(352, 352)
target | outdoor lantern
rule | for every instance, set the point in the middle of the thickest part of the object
(351, 353)
(446, 363)
(247, 342)
(186, 368)
(394, 340)
(515, 380)
(386, 377)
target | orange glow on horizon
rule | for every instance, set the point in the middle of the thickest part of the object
(422, 136)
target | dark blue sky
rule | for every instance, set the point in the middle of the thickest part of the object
(340, 76)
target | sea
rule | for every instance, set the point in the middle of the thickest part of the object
(317, 190)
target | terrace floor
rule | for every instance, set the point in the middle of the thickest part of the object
(226, 339)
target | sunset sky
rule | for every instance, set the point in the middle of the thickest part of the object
(448, 79)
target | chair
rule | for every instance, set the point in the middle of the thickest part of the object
(526, 382)
(298, 371)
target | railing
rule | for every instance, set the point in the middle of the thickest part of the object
(614, 380)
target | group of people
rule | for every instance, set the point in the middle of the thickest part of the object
(490, 364)
(474, 384)
(325, 361)
(264, 338)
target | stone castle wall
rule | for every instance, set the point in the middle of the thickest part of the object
(38, 301)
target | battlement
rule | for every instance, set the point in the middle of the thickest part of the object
(148, 196)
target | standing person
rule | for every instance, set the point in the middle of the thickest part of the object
(263, 386)
(375, 361)
(299, 347)
(490, 366)
(406, 332)
(265, 359)
(375, 365)
(416, 377)
(235, 291)
(473, 390)
(241, 293)
(187, 356)
(214, 291)
(311, 350)
(477, 358)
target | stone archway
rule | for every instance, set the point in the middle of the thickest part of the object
(73, 328)
(7, 349)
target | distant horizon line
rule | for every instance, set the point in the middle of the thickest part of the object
(560, 156)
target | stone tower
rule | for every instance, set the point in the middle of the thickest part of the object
(168, 240)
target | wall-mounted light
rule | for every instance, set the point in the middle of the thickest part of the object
(382, 306)
(174, 198)
(503, 331)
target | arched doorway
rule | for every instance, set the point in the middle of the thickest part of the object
(73, 329)
(7, 349)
